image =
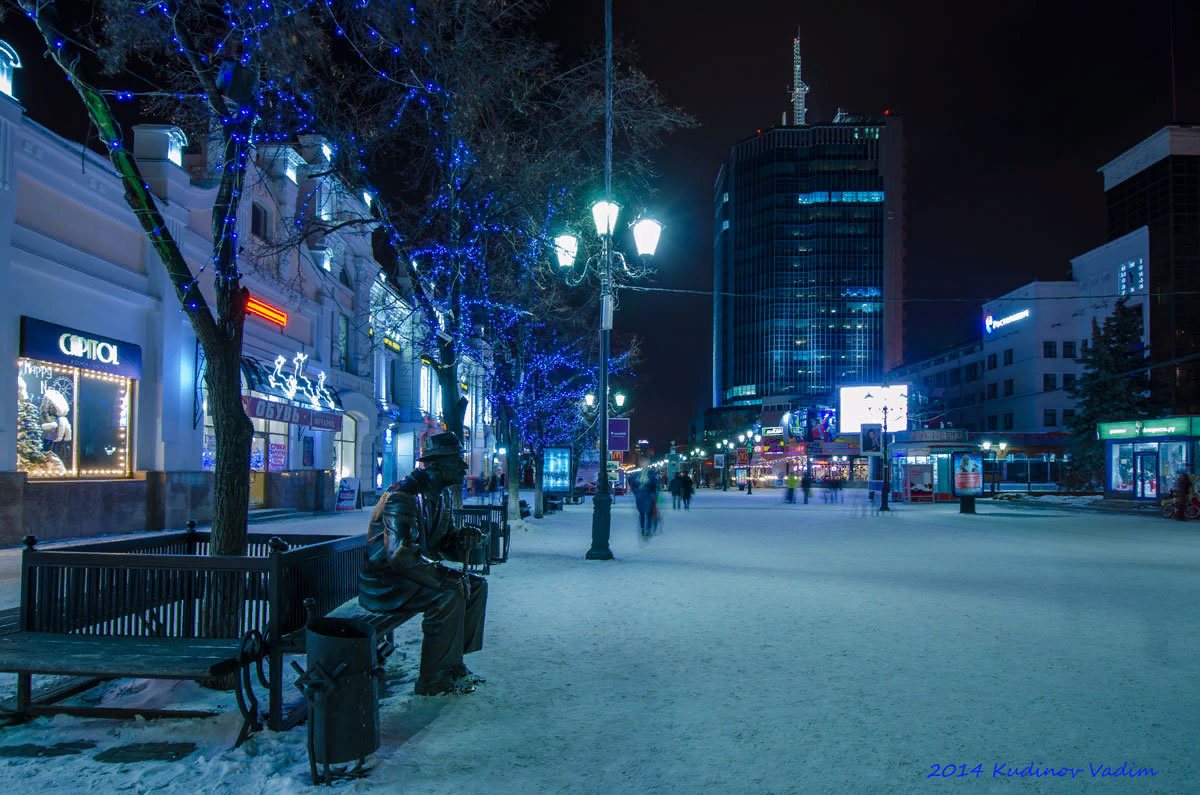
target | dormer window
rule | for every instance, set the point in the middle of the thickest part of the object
(327, 259)
(289, 171)
(367, 199)
(8, 62)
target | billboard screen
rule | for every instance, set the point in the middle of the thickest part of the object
(865, 404)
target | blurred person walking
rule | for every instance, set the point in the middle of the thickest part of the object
(676, 487)
(686, 489)
(645, 495)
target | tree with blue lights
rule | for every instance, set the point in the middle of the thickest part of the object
(238, 69)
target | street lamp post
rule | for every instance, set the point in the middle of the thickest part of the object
(645, 233)
(887, 469)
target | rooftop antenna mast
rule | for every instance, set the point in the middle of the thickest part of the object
(799, 89)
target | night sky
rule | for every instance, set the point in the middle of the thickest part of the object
(1009, 111)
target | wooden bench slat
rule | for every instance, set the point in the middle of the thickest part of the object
(10, 620)
(118, 657)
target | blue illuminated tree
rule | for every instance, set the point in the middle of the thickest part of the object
(244, 74)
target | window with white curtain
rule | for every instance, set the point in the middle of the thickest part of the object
(426, 399)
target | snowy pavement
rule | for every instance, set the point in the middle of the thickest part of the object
(757, 647)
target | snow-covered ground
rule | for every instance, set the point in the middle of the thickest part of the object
(757, 647)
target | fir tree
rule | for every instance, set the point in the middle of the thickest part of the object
(1115, 385)
(30, 456)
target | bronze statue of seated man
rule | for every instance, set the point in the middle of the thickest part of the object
(409, 538)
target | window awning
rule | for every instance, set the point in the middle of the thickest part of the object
(262, 377)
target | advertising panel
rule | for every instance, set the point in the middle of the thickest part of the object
(277, 456)
(919, 480)
(587, 475)
(719, 460)
(347, 497)
(968, 474)
(821, 424)
(556, 470)
(870, 439)
(861, 404)
(618, 435)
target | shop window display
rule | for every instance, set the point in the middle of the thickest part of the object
(344, 445)
(1122, 467)
(1172, 457)
(268, 447)
(72, 422)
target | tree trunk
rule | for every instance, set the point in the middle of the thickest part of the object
(512, 471)
(537, 483)
(234, 432)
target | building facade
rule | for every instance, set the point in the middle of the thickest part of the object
(808, 248)
(1014, 376)
(1156, 185)
(104, 427)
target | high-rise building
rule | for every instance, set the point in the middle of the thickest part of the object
(808, 244)
(1157, 184)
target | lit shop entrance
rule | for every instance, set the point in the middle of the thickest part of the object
(74, 397)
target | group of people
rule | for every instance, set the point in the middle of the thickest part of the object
(833, 488)
(646, 488)
(487, 486)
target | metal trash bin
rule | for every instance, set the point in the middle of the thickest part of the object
(342, 689)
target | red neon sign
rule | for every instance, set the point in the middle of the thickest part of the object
(266, 311)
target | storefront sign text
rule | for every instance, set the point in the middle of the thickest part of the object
(260, 409)
(991, 324)
(48, 342)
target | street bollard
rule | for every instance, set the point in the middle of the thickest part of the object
(341, 686)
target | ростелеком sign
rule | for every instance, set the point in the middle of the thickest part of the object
(991, 324)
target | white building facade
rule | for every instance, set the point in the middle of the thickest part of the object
(1014, 376)
(104, 425)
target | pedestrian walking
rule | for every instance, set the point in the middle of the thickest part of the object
(687, 488)
(1183, 490)
(789, 496)
(492, 484)
(806, 487)
(749, 484)
(645, 496)
(676, 487)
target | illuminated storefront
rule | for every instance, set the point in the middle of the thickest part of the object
(1143, 457)
(75, 391)
(921, 463)
(285, 407)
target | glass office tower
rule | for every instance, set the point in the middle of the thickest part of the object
(1156, 184)
(808, 242)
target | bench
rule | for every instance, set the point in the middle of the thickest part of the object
(101, 658)
(138, 608)
(144, 608)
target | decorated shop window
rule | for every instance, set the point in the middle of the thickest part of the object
(1121, 469)
(72, 422)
